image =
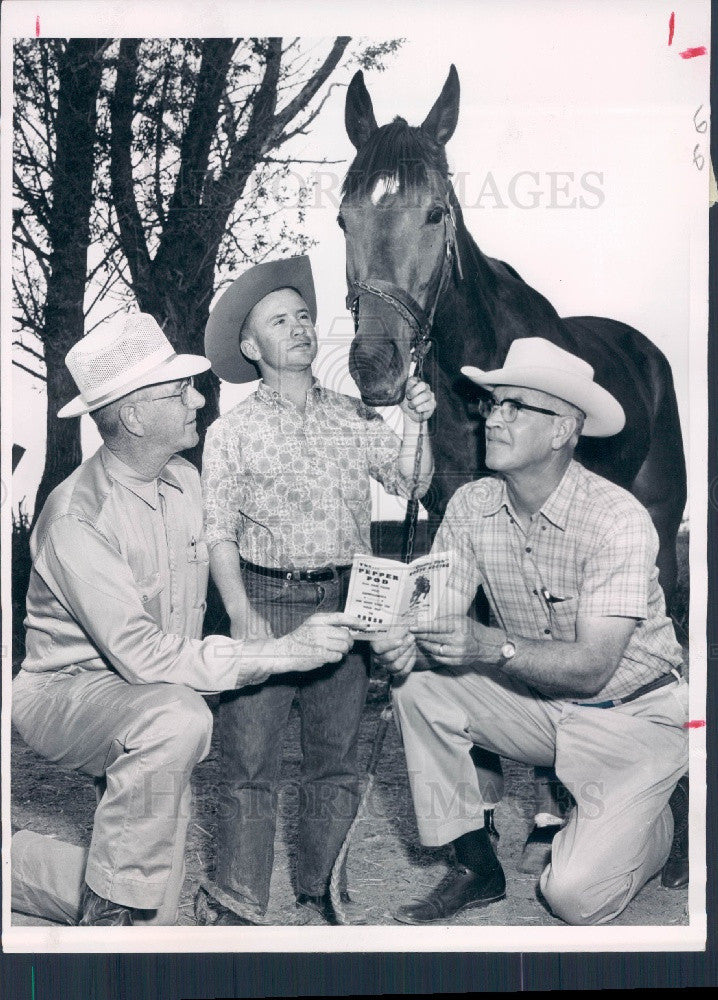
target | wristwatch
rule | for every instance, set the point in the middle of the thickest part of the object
(508, 651)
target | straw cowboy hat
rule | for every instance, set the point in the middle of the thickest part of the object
(221, 338)
(122, 356)
(535, 363)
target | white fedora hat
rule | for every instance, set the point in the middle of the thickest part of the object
(535, 363)
(120, 357)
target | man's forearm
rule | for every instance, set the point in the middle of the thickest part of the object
(554, 668)
(407, 454)
(227, 575)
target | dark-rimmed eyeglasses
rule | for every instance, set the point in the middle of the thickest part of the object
(183, 393)
(510, 408)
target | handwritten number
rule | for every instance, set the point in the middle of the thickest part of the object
(701, 126)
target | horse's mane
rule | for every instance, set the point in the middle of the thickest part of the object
(395, 150)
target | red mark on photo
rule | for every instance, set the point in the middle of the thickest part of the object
(671, 27)
(694, 724)
(700, 50)
(37, 26)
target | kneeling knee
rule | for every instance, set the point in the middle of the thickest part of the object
(570, 897)
(186, 720)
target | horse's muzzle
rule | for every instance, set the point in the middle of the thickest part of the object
(379, 371)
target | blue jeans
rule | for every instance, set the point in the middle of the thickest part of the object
(252, 723)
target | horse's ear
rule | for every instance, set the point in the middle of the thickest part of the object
(441, 121)
(358, 113)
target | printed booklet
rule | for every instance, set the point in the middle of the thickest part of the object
(384, 593)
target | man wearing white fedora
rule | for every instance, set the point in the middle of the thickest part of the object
(286, 483)
(114, 655)
(582, 670)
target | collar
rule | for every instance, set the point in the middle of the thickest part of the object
(556, 506)
(269, 395)
(123, 474)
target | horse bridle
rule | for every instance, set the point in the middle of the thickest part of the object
(405, 304)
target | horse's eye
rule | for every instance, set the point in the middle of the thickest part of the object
(435, 215)
(341, 223)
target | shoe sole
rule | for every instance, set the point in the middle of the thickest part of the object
(476, 904)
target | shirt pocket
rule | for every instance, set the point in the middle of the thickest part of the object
(150, 589)
(563, 614)
(197, 572)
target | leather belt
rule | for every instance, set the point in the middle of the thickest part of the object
(670, 678)
(301, 575)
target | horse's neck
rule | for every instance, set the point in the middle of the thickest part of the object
(481, 313)
(465, 316)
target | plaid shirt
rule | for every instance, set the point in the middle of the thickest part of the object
(590, 551)
(291, 488)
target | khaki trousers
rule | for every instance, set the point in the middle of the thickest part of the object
(620, 764)
(144, 740)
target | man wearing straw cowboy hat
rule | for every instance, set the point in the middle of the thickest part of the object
(286, 483)
(582, 671)
(114, 655)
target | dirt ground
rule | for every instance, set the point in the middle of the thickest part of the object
(386, 864)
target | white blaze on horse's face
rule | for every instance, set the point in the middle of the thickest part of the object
(384, 186)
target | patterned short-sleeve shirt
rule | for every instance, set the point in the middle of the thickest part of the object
(292, 488)
(590, 551)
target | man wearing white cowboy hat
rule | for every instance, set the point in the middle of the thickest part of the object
(582, 670)
(114, 655)
(286, 482)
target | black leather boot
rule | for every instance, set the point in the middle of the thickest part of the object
(95, 911)
(477, 880)
(675, 871)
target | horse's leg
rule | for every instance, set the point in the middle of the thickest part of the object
(661, 481)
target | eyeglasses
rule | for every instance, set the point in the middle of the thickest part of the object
(509, 408)
(183, 393)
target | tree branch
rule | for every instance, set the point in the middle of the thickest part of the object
(310, 88)
(302, 128)
(158, 145)
(295, 159)
(37, 201)
(35, 354)
(42, 378)
(132, 234)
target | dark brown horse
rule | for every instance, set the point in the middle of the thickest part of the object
(414, 272)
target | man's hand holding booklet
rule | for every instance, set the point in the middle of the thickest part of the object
(385, 593)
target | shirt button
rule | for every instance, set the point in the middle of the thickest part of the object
(528, 548)
(535, 593)
(547, 631)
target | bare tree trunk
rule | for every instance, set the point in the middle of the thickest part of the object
(79, 72)
(176, 285)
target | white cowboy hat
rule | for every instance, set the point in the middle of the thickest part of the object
(535, 363)
(120, 357)
(221, 339)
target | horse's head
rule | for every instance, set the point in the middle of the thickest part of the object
(398, 218)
